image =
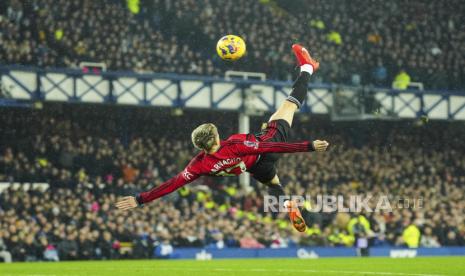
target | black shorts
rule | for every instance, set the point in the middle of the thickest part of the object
(274, 131)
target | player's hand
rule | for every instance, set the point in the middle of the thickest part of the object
(319, 145)
(126, 203)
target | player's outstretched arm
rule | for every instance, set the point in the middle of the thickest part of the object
(169, 186)
(258, 147)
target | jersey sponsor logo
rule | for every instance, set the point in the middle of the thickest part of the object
(251, 144)
(187, 175)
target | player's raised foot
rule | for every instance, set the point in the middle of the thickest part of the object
(295, 216)
(303, 57)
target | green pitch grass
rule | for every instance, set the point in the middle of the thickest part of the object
(440, 266)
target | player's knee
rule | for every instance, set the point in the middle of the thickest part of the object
(285, 112)
(274, 181)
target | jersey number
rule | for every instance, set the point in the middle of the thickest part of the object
(227, 171)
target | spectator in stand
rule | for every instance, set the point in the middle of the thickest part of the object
(428, 239)
(401, 81)
(4, 253)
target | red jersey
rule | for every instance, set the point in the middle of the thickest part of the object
(236, 155)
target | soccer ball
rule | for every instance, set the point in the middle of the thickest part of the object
(230, 47)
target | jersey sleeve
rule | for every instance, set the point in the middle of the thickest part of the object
(257, 147)
(189, 174)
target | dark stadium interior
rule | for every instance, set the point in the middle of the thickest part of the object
(89, 155)
(125, 150)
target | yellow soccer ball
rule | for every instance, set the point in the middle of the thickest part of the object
(230, 47)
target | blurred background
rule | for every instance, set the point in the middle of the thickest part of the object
(98, 100)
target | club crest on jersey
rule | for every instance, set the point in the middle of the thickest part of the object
(251, 144)
(187, 175)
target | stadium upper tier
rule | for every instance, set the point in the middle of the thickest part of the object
(367, 41)
(91, 154)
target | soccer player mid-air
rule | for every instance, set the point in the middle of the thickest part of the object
(253, 153)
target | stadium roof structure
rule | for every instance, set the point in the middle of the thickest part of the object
(25, 84)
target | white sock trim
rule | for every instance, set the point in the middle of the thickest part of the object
(306, 68)
(294, 100)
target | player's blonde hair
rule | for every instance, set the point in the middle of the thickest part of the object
(204, 136)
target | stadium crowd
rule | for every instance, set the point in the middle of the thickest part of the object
(359, 41)
(88, 166)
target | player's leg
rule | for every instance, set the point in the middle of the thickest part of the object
(299, 90)
(278, 130)
(274, 187)
(285, 112)
(276, 190)
(265, 172)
